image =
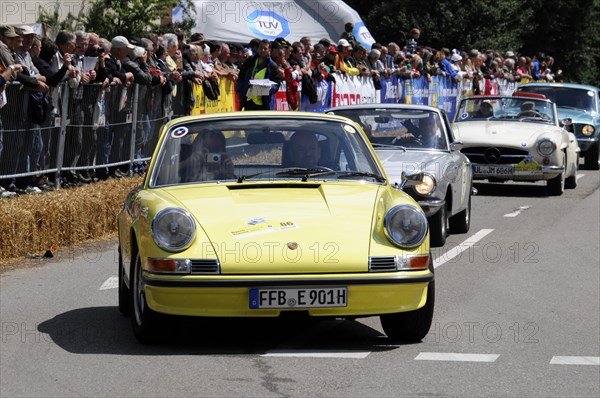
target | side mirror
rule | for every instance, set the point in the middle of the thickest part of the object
(456, 146)
(567, 124)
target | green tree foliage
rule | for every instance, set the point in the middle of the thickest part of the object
(567, 30)
(129, 18)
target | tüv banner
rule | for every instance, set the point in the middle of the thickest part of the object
(241, 21)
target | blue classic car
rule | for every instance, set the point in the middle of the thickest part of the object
(581, 104)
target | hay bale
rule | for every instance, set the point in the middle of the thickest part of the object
(33, 223)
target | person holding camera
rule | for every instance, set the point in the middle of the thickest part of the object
(209, 160)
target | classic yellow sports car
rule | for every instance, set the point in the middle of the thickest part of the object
(253, 214)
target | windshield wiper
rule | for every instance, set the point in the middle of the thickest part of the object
(247, 177)
(306, 172)
(391, 146)
(344, 174)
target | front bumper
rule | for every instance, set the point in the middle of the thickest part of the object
(432, 206)
(586, 143)
(229, 296)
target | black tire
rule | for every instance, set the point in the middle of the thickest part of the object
(411, 326)
(461, 223)
(124, 294)
(571, 181)
(149, 326)
(438, 228)
(556, 186)
(591, 160)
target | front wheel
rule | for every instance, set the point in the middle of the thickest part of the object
(410, 326)
(123, 290)
(591, 159)
(438, 228)
(461, 222)
(149, 326)
(556, 186)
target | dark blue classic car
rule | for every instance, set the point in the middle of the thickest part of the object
(581, 104)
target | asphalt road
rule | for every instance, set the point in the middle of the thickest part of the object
(517, 314)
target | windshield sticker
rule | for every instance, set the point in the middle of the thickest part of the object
(464, 116)
(349, 129)
(179, 132)
(590, 93)
(260, 226)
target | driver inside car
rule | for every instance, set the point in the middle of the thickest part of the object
(305, 150)
(528, 110)
(424, 135)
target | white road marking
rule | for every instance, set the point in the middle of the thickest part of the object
(320, 354)
(517, 211)
(579, 176)
(451, 356)
(110, 283)
(456, 251)
(575, 361)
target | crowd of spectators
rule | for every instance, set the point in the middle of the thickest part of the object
(173, 62)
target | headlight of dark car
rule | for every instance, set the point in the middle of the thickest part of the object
(545, 147)
(426, 186)
(587, 130)
(173, 229)
(406, 226)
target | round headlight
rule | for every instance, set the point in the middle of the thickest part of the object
(546, 147)
(173, 229)
(426, 186)
(587, 130)
(405, 226)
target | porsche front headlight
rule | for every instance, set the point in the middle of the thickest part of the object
(587, 130)
(406, 226)
(173, 229)
(426, 186)
(545, 147)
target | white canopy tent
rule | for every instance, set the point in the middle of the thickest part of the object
(241, 21)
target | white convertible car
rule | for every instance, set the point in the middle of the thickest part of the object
(517, 138)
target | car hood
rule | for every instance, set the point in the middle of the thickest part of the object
(255, 228)
(410, 162)
(513, 134)
(577, 115)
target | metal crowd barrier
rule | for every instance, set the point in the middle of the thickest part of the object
(87, 129)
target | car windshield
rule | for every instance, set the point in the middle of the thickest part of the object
(249, 149)
(512, 109)
(566, 97)
(406, 128)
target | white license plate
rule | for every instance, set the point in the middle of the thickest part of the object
(304, 297)
(494, 170)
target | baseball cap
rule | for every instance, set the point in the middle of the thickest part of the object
(8, 31)
(332, 49)
(138, 51)
(344, 43)
(456, 57)
(25, 30)
(121, 42)
(509, 54)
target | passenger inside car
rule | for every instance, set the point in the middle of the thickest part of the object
(485, 111)
(208, 160)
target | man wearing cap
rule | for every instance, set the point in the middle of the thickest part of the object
(343, 61)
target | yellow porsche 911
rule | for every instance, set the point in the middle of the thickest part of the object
(254, 214)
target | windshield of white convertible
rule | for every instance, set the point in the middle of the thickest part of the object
(407, 128)
(510, 109)
(241, 150)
